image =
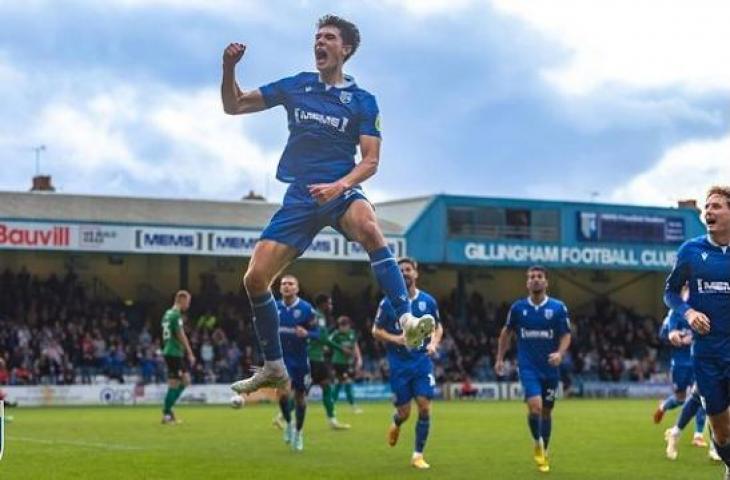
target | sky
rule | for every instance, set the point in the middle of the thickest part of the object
(613, 101)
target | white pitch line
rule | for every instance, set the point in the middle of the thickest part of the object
(106, 446)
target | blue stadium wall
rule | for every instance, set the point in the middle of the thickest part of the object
(579, 235)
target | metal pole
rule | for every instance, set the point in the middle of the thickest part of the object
(38, 150)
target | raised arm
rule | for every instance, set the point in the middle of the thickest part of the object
(236, 101)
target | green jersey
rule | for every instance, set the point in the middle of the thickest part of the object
(172, 323)
(317, 348)
(346, 341)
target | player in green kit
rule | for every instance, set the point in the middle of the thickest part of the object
(346, 359)
(319, 353)
(175, 346)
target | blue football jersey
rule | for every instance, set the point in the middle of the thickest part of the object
(705, 266)
(385, 318)
(325, 124)
(300, 313)
(539, 329)
(681, 356)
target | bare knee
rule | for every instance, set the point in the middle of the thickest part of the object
(255, 282)
(534, 408)
(404, 413)
(371, 237)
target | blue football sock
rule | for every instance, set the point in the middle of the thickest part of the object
(285, 407)
(266, 323)
(390, 279)
(689, 409)
(723, 451)
(700, 420)
(546, 428)
(422, 426)
(534, 422)
(670, 403)
(301, 411)
(397, 420)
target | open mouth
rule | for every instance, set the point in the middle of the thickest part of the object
(710, 221)
(320, 55)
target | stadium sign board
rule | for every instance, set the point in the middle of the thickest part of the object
(632, 257)
(85, 237)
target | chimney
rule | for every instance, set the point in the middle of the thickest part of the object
(689, 203)
(42, 183)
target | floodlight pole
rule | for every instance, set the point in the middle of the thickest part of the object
(38, 150)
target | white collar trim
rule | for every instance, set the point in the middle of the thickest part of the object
(714, 243)
(294, 304)
(347, 82)
(542, 304)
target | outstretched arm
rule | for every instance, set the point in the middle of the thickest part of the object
(235, 100)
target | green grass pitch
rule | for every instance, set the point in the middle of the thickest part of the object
(613, 439)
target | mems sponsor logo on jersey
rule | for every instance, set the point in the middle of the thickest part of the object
(302, 116)
(531, 334)
(703, 286)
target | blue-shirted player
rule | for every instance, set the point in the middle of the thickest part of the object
(329, 115)
(411, 369)
(542, 327)
(676, 331)
(704, 264)
(297, 326)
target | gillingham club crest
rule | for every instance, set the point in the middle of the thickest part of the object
(345, 97)
(548, 313)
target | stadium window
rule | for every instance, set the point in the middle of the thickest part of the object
(460, 220)
(493, 223)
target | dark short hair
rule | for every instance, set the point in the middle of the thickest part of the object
(321, 298)
(538, 268)
(412, 262)
(348, 31)
(723, 191)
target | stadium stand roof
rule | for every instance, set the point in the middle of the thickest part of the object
(164, 211)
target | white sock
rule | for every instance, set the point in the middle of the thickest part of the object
(402, 321)
(275, 365)
(675, 431)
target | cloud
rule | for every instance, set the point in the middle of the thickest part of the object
(173, 144)
(684, 171)
(645, 44)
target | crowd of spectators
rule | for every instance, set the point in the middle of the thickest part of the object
(52, 331)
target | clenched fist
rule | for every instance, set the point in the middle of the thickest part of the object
(233, 53)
